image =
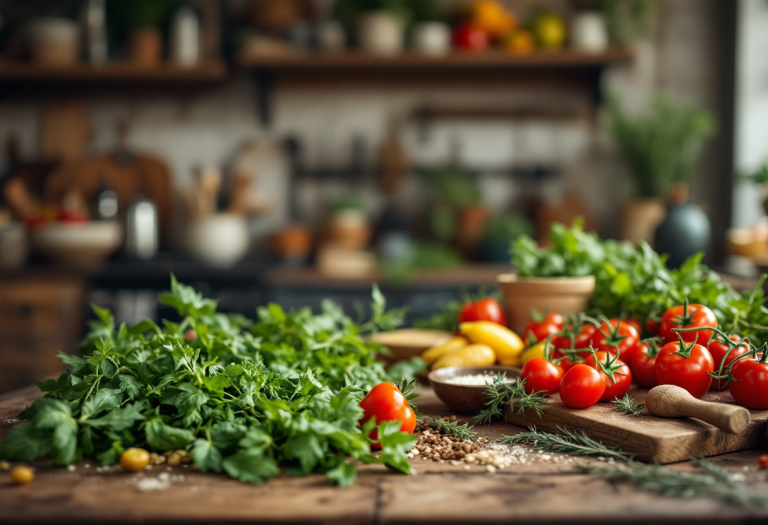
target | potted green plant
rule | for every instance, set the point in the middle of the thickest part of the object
(500, 232)
(660, 147)
(460, 214)
(143, 20)
(347, 224)
(559, 278)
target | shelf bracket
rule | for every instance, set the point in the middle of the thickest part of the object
(264, 79)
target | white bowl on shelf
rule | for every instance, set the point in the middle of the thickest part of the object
(78, 244)
(219, 240)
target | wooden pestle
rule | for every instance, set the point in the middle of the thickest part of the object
(673, 401)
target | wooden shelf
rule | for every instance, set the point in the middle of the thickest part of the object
(112, 72)
(562, 70)
(454, 61)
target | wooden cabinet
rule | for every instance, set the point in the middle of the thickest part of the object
(39, 317)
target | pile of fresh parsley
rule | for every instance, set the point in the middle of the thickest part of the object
(246, 398)
(635, 281)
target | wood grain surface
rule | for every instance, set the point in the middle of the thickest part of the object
(651, 438)
(539, 491)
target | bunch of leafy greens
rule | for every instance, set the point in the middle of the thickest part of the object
(634, 280)
(245, 398)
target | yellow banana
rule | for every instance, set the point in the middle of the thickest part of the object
(504, 342)
(432, 354)
(470, 355)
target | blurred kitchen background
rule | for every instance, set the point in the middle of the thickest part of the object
(293, 150)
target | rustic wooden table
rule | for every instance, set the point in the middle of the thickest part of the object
(540, 491)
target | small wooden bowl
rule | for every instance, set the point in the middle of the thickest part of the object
(465, 399)
(408, 342)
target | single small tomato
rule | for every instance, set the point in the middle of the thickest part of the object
(688, 316)
(541, 376)
(635, 322)
(134, 459)
(617, 337)
(386, 402)
(22, 475)
(749, 386)
(469, 37)
(685, 365)
(487, 309)
(582, 386)
(723, 355)
(615, 373)
(643, 364)
(543, 326)
(652, 324)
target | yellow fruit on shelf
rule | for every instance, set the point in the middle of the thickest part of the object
(550, 31)
(520, 43)
(470, 355)
(492, 18)
(432, 354)
(505, 343)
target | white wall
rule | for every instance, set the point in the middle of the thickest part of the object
(208, 128)
(751, 107)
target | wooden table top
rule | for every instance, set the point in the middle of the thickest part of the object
(542, 490)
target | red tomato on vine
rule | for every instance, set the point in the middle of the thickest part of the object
(686, 365)
(581, 387)
(541, 376)
(615, 373)
(749, 386)
(616, 336)
(543, 326)
(723, 355)
(386, 402)
(688, 316)
(643, 363)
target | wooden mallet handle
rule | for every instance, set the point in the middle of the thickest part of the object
(673, 401)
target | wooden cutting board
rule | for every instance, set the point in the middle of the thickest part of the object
(651, 438)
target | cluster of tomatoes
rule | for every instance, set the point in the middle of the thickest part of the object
(588, 361)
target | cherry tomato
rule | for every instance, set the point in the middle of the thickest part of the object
(385, 402)
(719, 351)
(572, 338)
(487, 309)
(543, 328)
(582, 386)
(541, 375)
(763, 461)
(643, 364)
(688, 316)
(686, 366)
(635, 322)
(73, 216)
(612, 365)
(469, 37)
(616, 336)
(652, 325)
(22, 475)
(749, 386)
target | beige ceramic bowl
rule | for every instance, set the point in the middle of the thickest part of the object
(564, 295)
(78, 244)
(465, 399)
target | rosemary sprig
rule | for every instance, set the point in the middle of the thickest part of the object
(626, 405)
(500, 394)
(566, 442)
(713, 481)
(453, 428)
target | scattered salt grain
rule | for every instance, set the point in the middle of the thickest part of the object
(71, 468)
(149, 484)
(476, 379)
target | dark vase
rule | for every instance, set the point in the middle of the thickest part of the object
(684, 232)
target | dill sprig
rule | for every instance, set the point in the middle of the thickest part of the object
(713, 481)
(566, 442)
(453, 428)
(626, 405)
(500, 394)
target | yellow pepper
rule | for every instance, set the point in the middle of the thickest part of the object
(470, 355)
(506, 343)
(432, 354)
(536, 350)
